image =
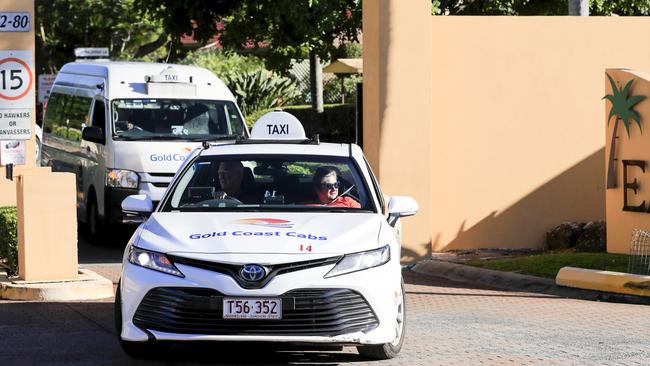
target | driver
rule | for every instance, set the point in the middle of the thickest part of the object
(326, 185)
(231, 175)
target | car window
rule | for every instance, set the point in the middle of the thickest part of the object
(66, 115)
(273, 182)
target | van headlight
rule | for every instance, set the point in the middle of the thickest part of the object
(153, 260)
(122, 178)
(360, 261)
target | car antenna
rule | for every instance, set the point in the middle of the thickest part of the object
(205, 145)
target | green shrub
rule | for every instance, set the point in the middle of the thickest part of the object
(222, 63)
(261, 90)
(338, 121)
(9, 238)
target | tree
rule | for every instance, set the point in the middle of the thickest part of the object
(63, 25)
(622, 109)
(536, 7)
(277, 30)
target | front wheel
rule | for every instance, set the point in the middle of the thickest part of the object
(137, 350)
(389, 350)
(94, 223)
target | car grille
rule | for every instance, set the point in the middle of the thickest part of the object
(272, 270)
(314, 312)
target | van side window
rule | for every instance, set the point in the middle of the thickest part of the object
(99, 115)
(66, 115)
(54, 111)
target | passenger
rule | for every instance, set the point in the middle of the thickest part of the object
(326, 185)
(231, 176)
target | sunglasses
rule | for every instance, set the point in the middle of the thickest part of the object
(328, 186)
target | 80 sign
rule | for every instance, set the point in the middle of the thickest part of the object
(14, 22)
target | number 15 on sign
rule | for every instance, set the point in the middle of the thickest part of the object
(16, 79)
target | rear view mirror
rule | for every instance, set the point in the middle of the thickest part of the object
(93, 134)
(402, 206)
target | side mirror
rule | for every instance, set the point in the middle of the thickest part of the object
(93, 134)
(401, 206)
(137, 204)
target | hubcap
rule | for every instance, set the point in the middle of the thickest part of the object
(399, 320)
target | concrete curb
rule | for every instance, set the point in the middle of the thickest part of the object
(88, 286)
(517, 282)
(624, 283)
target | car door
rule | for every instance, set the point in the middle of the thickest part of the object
(93, 167)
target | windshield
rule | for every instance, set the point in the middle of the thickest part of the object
(175, 119)
(270, 182)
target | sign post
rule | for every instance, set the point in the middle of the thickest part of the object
(45, 201)
(16, 95)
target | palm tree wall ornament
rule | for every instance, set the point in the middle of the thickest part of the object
(623, 111)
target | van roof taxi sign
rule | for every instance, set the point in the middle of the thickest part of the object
(168, 75)
(170, 82)
(278, 125)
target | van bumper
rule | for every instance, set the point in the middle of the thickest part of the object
(113, 198)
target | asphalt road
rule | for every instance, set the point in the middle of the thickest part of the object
(448, 323)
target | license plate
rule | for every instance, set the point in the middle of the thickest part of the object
(252, 308)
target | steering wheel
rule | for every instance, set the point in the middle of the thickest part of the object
(224, 196)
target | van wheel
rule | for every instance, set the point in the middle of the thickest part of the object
(389, 350)
(137, 350)
(94, 223)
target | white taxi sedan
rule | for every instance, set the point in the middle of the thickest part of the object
(276, 238)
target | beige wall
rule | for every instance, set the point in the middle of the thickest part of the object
(47, 226)
(508, 139)
(518, 138)
(18, 41)
(397, 98)
(621, 223)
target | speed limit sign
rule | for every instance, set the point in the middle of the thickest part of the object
(16, 95)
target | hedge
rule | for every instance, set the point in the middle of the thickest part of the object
(9, 238)
(338, 121)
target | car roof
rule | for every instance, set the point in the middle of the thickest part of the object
(325, 149)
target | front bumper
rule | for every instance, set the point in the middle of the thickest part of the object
(113, 198)
(358, 308)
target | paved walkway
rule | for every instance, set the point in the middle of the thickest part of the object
(449, 323)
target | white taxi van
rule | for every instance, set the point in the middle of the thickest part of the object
(275, 238)
(126, 127)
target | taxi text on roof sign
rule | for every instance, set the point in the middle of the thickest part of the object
(169, 75)
(278, 125)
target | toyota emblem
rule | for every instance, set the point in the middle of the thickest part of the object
(252, 272)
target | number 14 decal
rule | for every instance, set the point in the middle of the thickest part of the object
(305, 248)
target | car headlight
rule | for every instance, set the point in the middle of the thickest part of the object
(153, 260)
(360, 261)
(122, 178)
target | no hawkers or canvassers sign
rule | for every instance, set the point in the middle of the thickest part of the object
(16, 95)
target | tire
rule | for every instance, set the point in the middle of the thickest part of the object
(389, 350)
(136, 350)
(94, 224)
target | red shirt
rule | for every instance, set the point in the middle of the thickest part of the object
(345, 202)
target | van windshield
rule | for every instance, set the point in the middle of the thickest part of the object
(175, 119)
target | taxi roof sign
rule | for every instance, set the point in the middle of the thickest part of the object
(168, 75)
(278, 125)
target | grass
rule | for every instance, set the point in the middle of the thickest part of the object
(548, 265)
